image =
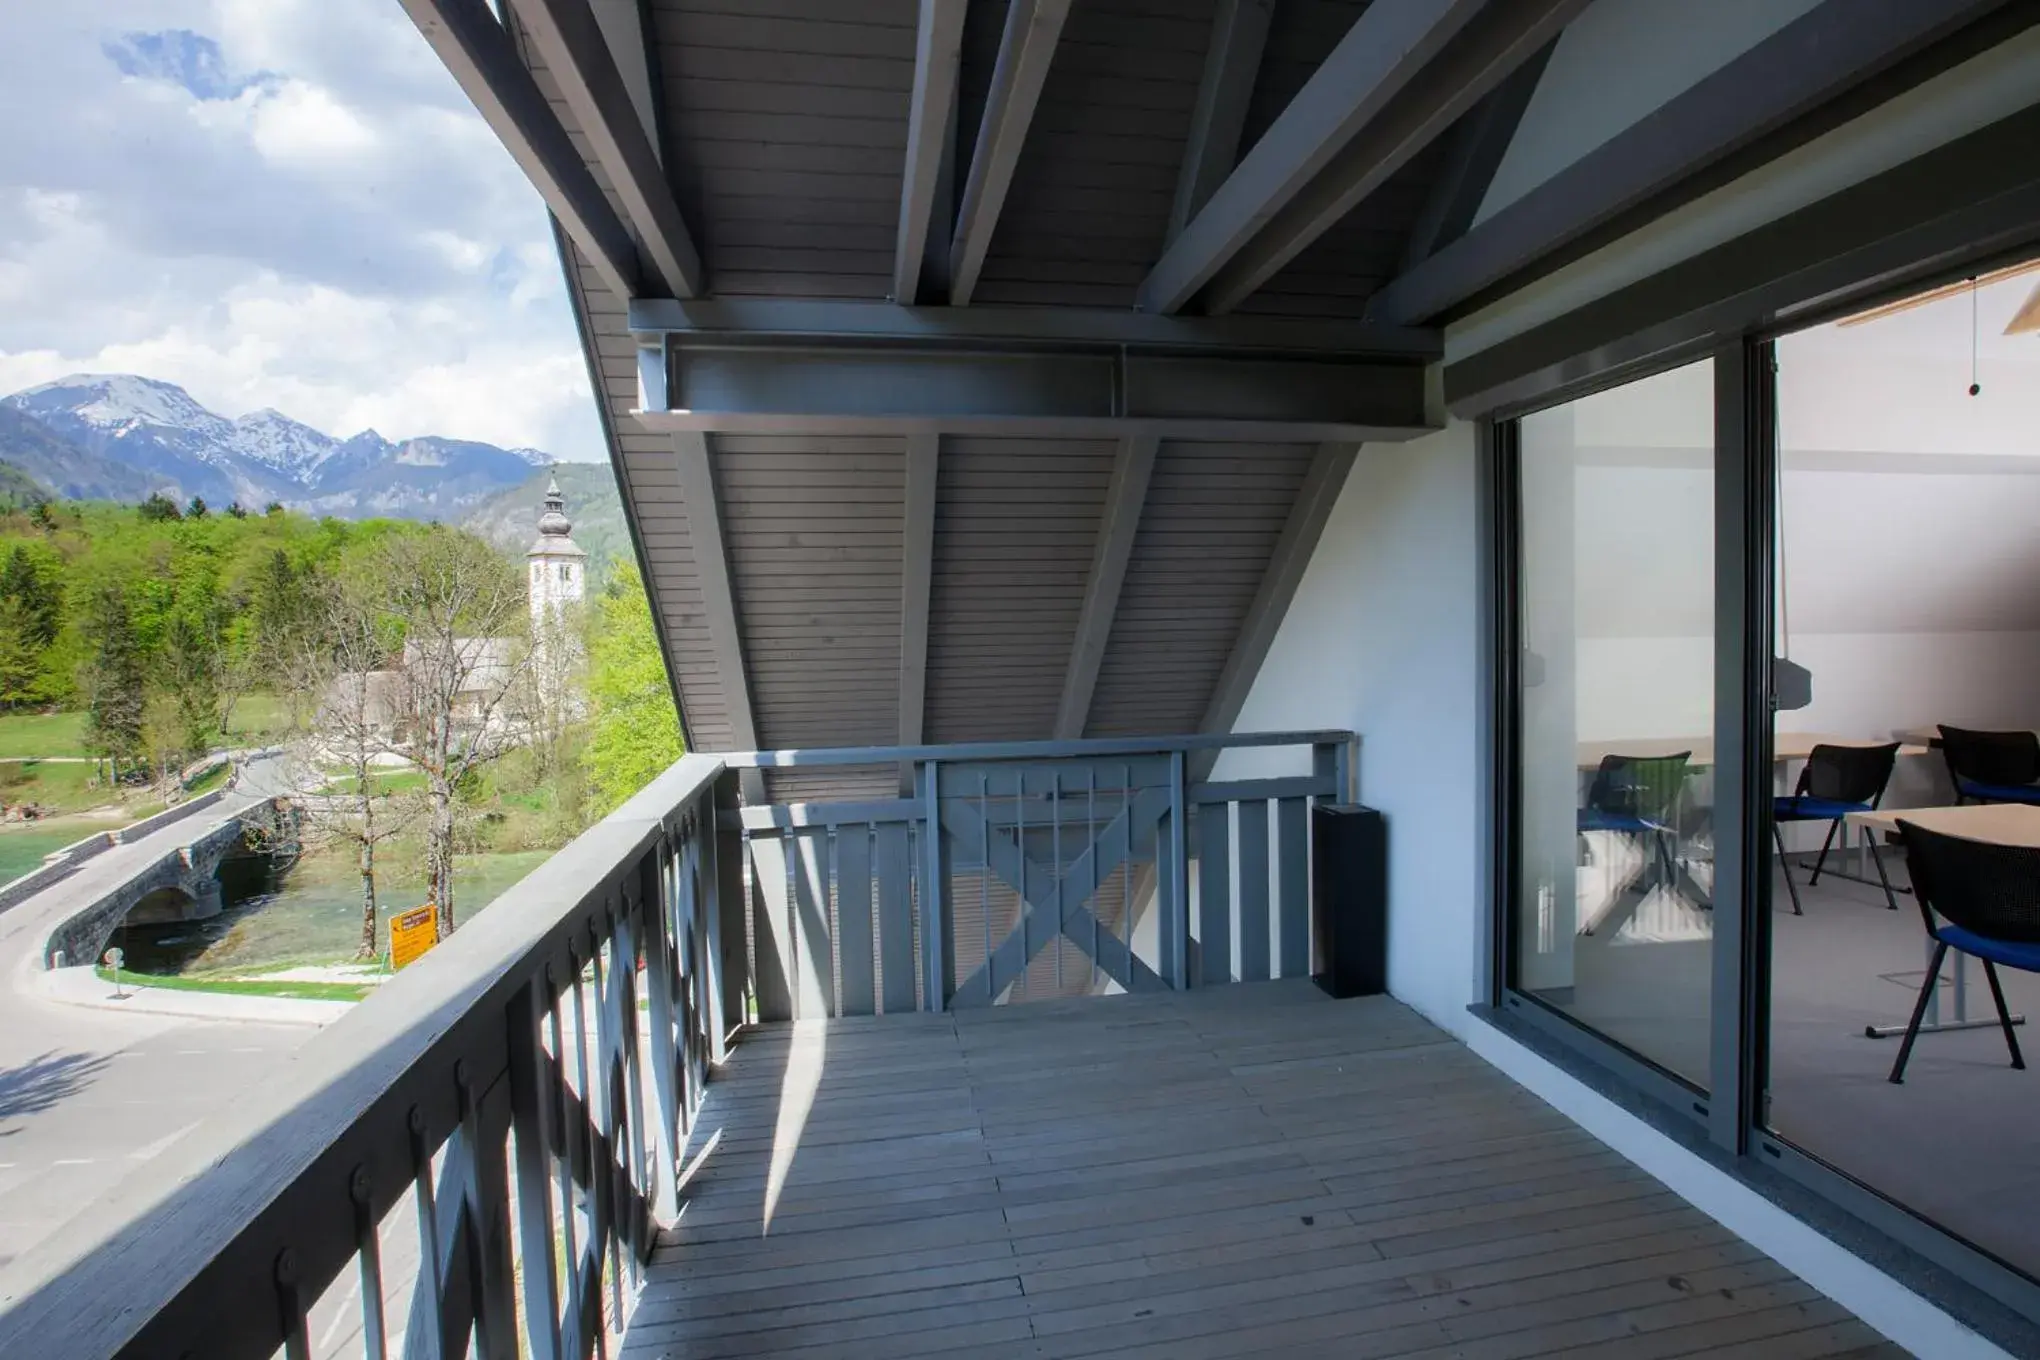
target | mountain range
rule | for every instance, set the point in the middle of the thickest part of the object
(121, 437)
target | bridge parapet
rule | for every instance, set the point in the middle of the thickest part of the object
(190, 871)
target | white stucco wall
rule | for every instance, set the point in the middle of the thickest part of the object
(1382, 638)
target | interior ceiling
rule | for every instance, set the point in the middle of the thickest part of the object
(943, 580)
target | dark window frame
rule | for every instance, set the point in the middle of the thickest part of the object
(1731, 1113)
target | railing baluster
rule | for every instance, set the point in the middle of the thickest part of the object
(529, 1119)
(421, 1335)
(1175, 922)
(486, 1121)
(660, 973)
(934, 891)
(368, 1255)
(1055, 837)
(630, 1066)
(985, 890)
(572, 1320)
(296, 1345)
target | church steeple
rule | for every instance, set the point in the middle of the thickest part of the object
(554, 523)
(558, 565)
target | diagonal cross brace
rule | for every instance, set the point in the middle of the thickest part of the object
(1048, 912)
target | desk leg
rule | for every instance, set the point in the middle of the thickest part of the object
(1934, 1024)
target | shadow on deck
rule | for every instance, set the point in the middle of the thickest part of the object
(1239, 1171)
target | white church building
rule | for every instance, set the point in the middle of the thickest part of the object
(556, 577)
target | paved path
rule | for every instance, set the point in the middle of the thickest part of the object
(89, 1096)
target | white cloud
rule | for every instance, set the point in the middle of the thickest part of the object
(280, 203)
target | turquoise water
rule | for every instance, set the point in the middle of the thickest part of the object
(307, 912)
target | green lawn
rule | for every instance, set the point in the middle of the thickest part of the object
(59, 786)
(297, 991)
(210, 780)
(382, 781)
(42, 734)
(24, 845)
(258, 718)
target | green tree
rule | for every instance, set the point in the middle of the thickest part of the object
(192, 673)
(21, 670)
(32, 583)
(115, 681)
(237, 510)
(196, 509)
(634, 730)
(159, 507)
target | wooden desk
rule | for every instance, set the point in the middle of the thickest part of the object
(1785, 746)
(1999, 823)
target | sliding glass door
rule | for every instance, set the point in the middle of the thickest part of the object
(1611, 914)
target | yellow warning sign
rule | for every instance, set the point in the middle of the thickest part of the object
(412, 934)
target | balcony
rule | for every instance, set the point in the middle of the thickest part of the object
(1021, 1065)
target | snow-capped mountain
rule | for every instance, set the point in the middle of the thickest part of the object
(122, 437)
(274, 440)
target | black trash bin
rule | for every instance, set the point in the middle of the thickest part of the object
(1349, 905)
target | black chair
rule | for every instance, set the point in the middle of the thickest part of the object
(1836, 781)
(1639, 796)
(1988, 899)
(1992, 767)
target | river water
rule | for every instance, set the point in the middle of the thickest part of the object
(282, 914)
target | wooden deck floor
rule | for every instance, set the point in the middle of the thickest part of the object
(1245, 1171)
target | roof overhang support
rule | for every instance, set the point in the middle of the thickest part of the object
(1033, 28)
(567, 37)
(931, 124)
(1773, 88)
(1125, 497)
(764, 366)
(1470, 164)
(1948, 211)
(1490, 48)
(479, 52)
(1388, 45)
(1284, 573)
(917, 576)
(1239, 35)
(718, 598)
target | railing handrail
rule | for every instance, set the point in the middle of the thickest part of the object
(210, 1200)
(1025, 750)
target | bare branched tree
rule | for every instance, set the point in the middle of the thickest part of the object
(466, 656)
(344, 657)
(549, 703)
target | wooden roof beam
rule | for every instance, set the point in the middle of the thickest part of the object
(479, 52)
(931, 126)
(1033, 27)
(1125, 498)
(567, 37)
(1239, 35)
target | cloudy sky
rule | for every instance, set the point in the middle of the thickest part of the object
(278, 203)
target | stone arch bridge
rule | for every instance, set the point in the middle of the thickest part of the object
(174, 877)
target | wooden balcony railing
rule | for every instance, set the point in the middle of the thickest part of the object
(479, 1156)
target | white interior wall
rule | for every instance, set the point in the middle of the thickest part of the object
(1381, 638)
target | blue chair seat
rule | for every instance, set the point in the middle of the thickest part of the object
(2001, 793)
(1599, 819)
(1807, 808)
(2011, 953)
